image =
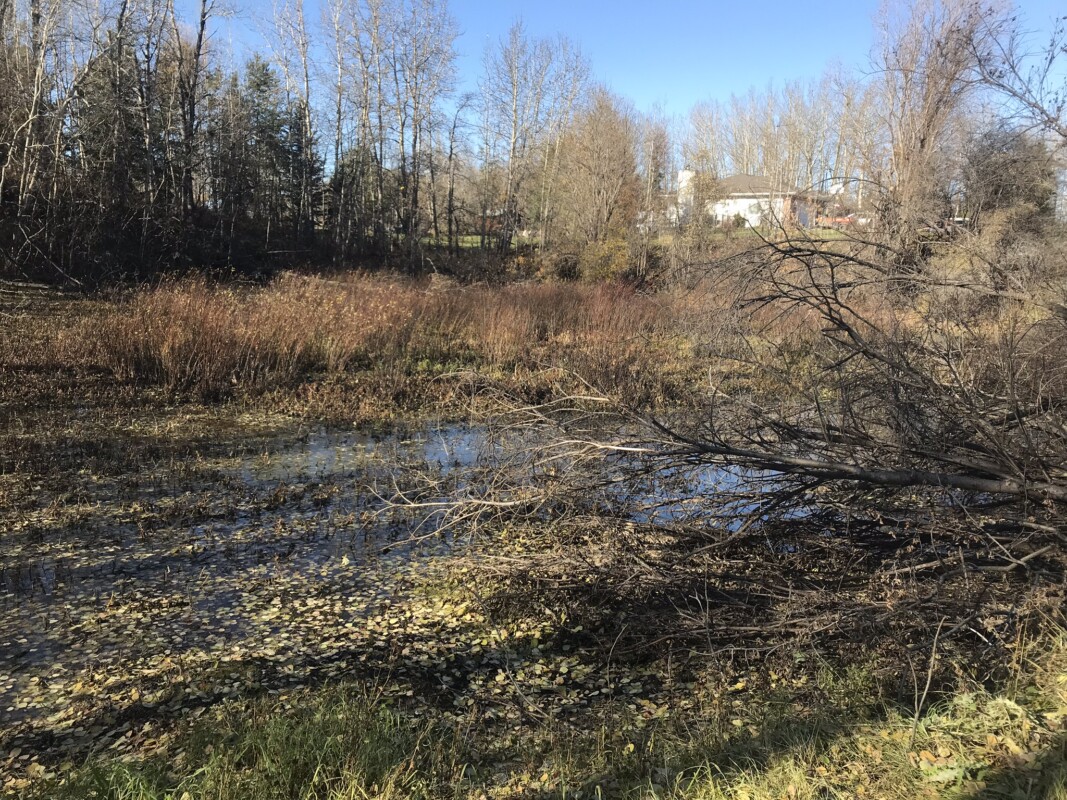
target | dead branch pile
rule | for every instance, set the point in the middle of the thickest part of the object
(882, 457)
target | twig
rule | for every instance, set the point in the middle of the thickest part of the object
(921, 701)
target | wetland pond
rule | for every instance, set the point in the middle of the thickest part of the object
(148, 596)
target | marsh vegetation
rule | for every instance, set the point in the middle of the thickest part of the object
(498, 579)
(489, 462)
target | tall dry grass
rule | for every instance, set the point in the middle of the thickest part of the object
(213, 341)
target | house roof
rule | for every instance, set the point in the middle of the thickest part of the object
(746, 185)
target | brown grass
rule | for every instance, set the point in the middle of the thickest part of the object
(215, 341)
(377, 346)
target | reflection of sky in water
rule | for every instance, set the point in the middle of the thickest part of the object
(225, 510)
(308, 502)
(197, 555)
(324, 454)
(680, 494)
(191, 558)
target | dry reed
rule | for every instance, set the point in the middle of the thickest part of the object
(214, 341)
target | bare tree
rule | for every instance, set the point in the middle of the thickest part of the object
(422, 73)
(654, 165)
(529, 88)
(1030, 77)
(806, 136)
(601, 157)
(293, 44)
(704, 148)
(928, 56)
(568, 85)
(190, 66)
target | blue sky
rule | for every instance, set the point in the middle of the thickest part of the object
(678, 52)
(672, 52)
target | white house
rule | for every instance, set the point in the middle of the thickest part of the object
(679, 206)
(748, 198)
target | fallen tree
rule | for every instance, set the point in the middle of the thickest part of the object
(881, 461)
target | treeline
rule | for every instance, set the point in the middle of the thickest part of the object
(129, 145)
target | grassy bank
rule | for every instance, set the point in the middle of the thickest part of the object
(827, 738)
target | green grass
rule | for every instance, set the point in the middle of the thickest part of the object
(330, 744)
(337, 744)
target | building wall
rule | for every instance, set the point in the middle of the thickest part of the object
(1061, 195)
(685, 186)
(755, 211)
